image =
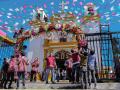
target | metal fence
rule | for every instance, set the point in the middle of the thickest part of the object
(107, 50)
(6, 51)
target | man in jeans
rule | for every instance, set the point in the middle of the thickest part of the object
(22, 64)
(50, 66)
(91, 68)
(75, 68)
(83, 70)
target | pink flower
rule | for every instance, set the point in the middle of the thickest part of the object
(31, 6)
(24, 6)
(81, 3)
(83, 42)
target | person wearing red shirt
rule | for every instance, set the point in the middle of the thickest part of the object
(50, 66)
(75, 67)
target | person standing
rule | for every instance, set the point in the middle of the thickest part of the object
(11, 71)
(35, 65)
(91, 68)
(68, 65)
(117, 69)
(50, 66)
(58, 75)
(83, 52)
(4, 72)
(83, 70)
(22, 65)
(75, 67)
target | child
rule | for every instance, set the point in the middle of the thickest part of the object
(91, 68)
(68, 65)
(34, 70)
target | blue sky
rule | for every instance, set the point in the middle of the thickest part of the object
(17, 13)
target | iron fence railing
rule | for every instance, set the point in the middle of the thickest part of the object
(6, 51)
(107, 50)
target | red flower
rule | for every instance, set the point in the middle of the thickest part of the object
(83, 43)
(41, 29)
(30, 22)
(51, 27)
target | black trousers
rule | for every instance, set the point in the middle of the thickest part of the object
(33, 75)
(75, 73)
(4, 78)
(69, 74)
(10, 78)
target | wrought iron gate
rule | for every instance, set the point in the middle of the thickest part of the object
(6, 51)
(107, 50)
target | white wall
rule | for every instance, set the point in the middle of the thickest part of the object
(35, 49)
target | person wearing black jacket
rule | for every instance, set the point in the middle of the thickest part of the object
(4, 71)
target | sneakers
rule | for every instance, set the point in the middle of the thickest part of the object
(47, 82)
(24, 87)
(5, 88)
(10, 87)
(17, 87)
(53, 82)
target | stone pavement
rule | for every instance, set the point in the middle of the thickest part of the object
(66, 85)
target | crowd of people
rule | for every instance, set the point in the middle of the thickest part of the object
(15, 69)
(80, 68)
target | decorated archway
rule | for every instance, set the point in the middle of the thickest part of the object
(62, 31)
